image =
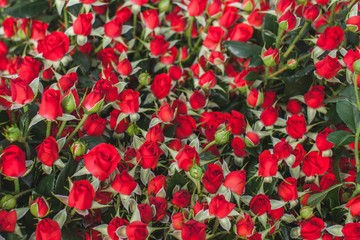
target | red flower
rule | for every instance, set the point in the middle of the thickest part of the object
(220, 207)
(235, 181)
(213, 37)
(241, 32)
(311, 229)
(192, 230)
(21, 93)
(315, 164)
(245, 226)
(54, 46)
(321, 140)
(124, 183)
(351, 231)
(268, 164)
(287, 189)
(187, 157)
(159, 45)
(137, 231)
(315, 96)
(148, 155)
(156, 184)
(7, 220)
(29, 69)
(213, 178)
(328, 67)
(296, 126)
(12, 162)
(151, 18)
(331, 38)
(113, 225)
(269, 116)
(185, 126)
(81, 195)
(260, 204)
(129, 101)
(161, 85)
(47, 151)
(181, 198)
(50, 106)
(354, 206)
(47, 229)
(83, 24)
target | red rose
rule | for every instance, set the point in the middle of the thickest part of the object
(296, 126)
(287, 21)
(328, 180)
(353, 23)
(214, 7)
(39, 207)
(197, 100)
(118, 126)
(181, 198)
(219, 207)
(252, 139)
(50, 106)
(213, 178)
(237, 123)
(311, 229)
(146, 213)
(151, 18)
(277, 214)
(113, 28)
(315, 97)
(38, 30)
(48, 151)
(198, 206)
(47, 229)
(106, 89)
(124, 67)
(311, 12)
(282, 149)
(260, 204)
(351, 231)
(268, 164)
(155, 134)
(9, 25)
(330, 38)
(83, 24)
(178, 220)
(245, 226)
(81, 195)
(238, 146)
(186, 157)
(7, 220)
(29, 69)
(196, 7)
(228, 17)
(137, 231)
(293, 106)
(354, 206)
(256, 18)
(12, 162)
(21, 92)
(254, 98)
(193, 230)
(328, 67)
(156, 184)
(67, 81)
(213, 37)
(287, 189)
(161, 85)
(159, 45)
(94, 125)
(299, 153)
(54, 46)
(124, 183)
(235, 181)
(113, 225)
(102, 160)
(148, 155)
(185, 126)
(241, 32)
(321, 140)
(350, 57)
(165, 113)
(160, 205)
(269, 116)
(271, 57)
(315, 164)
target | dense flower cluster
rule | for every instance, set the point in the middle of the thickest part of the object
(184, 119)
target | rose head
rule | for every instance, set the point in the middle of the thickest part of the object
(192, 230)
(48, 229)
(187, 157)
(54, 46)
(81, 195)
(12, 162)
(220, 207)
(47, 151)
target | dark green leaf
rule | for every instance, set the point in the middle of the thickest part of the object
(82, 60)
(340, 138)
(252, 76)
(349, 113)
(207, 156)
(27, 10)
(270, 29)
(62, 179)
(176, 179)
(242, 50)
(317, 198)
(299, 74)
(255, 61)
(92, 141)
(46, 185)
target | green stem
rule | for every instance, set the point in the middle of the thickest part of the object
(188, 32)
(17, 186)
(23, 193)
(198, 186)
(26, 130)
(278, 38)
(134, 24)
(356, 149)
(283, 69)
(62, 126)
(210, 144)
(77, 127)
(48, 128)
(72, 213)
(66, 19)
(215, 226)
(356, 91)
(291, 47)
(332, 14)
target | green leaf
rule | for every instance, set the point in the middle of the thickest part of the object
(340, 138)
(46, 185)
(92, 141)
(176, 179)
(317, 198)
(242, 50)
(28, 9)
(82, 60)
(270, 29)
(252, 76)
(349, 113)
(62, 179)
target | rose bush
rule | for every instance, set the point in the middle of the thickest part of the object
(189, 120)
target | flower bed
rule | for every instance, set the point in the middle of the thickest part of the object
(190, 119)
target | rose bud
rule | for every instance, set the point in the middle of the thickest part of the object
(282, 149)
(21, 92)
(277, 214)
(351, 231)
(222, 136)
(353, 24)
(146, 213)
(39, 207)
(165, 113)
(245, 226)
(219, 207)
(235, 181)
(196, 171)
(8, 220)
(306, 212)
(213, 178)
(287, 189)
(255, 97)
(48, 151)
(178, 220)
(321, 140)
(7, 202)
(269, 116)
(287, 21)
(148, 155)
(330, 38)
(9, 25)
(292, 64)
(260, 204)
(311, 12)
(213, 37)
(296, 126)
(156, 184)
(70, 101)
(54, 46)
(175, 72)
(197, 100)
(47, 229)
(113, 28)
(193, 229)
(129, 101)
(241, 32)
(268, 164)
(161, 85)
(181, 198)
(252, 139)
(94, 125)
(29, 69)
(93, 102)
(81, 195)
(102, 160)
(50, 106)
(354, 206)
(144, 79)
(67, 81)
(114, 225)
(83, 24)
(124, 183)
(12, 133)
(137, 231)
(315, 164)
(124, 67)
(186, 157)
(207, 80)
(315, 97)
(311, 229)
(256, 18)
(271, 57)
(78, 148)
(151, 18)
(12, 162)
(328, 67)
(293, 106)
(159, 45)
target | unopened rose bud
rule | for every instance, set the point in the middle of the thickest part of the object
(196, 171)
(78, 148)
(164, 5)
(12, 133)
(306, 212)
(356, 66)
(39, 208)
(144, 79)
(252, 139)
(255, 97)
(93, 102)
(133, 130)
(292, 64)
(271, 57)
(222, 136)
(353, 23)
(8, 202)
(70, 101)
